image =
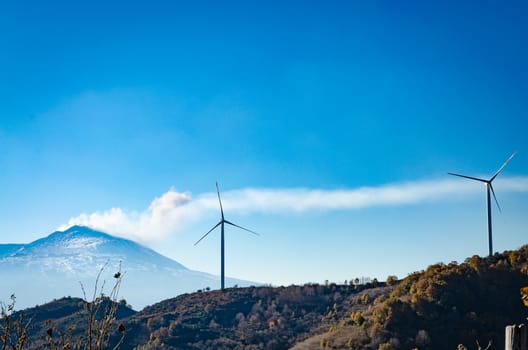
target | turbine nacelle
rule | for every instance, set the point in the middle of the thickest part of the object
(488, 183)
(489, 186)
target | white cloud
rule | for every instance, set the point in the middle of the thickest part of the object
(169, 212)
(162, 217)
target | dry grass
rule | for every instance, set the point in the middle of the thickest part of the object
(99, 327)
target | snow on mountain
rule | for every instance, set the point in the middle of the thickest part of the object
(7, 249)
(53, 266)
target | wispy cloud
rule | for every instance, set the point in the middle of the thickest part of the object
(169, 212)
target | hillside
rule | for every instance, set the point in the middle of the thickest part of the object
(247, 318)
(438, 308)
(236, 318)
(435, 309)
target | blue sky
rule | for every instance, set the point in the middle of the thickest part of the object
(132, 106)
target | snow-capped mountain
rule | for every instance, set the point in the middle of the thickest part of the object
(52, 267)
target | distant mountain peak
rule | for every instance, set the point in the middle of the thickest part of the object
(77, 230)
(63, 258)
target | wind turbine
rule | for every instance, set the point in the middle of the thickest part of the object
(489, 188)
(221, 224)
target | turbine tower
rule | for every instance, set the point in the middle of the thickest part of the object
(221, 224)
(489, 188)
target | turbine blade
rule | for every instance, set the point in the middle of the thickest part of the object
(495, 197)
(243, 228)
(208, 232)
(469, 177)
(502, 167)
(220, 201)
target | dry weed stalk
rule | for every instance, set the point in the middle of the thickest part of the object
(101, 315)
(13, 332)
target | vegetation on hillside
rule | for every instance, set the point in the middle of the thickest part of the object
(439, 308)
(246, 318)
(68, 323)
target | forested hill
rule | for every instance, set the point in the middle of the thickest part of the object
(248, 318)
(438, 308)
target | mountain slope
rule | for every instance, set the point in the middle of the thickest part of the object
(8, 249)
(246, 318)
(236, 318)
(52, 267)
(441, 307)
(83, 245)
(435, 309)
